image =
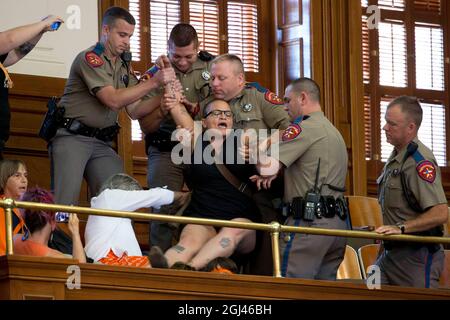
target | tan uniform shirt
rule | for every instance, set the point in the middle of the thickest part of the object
(423, 178)
(303, 145)
(255, 109)
(88, 74)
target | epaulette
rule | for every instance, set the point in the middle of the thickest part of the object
(268, 95)
(93, 57)
(425, 168)
(257, 86)
(205, 56)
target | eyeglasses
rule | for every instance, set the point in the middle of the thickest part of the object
(217, 113)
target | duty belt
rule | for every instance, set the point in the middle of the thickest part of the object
(76, 127)
(390, 245)
(160, 140)
(328, 208)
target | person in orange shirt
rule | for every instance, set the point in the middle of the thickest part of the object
(40, 225)
(13, 184)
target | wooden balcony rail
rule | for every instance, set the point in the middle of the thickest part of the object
(274, 228)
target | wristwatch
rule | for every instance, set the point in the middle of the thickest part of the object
(401, 226)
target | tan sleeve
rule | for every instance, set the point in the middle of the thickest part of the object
(293, 149)
(275, 115)
(93, 77)
(427, 193)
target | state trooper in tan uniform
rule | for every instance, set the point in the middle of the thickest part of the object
(254, 107)
(314, 155)
(412, 201)
(192, 70)
(99, 85)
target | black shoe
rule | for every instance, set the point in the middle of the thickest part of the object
(182, 266)
(157, 258)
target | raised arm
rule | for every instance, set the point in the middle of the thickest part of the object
(74, 227)
(18, 42)
(116, 99)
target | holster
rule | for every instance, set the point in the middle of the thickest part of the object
(52, 120)
(294, 209)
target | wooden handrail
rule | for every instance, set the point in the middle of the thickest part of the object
(274, 228)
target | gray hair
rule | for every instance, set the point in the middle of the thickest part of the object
(409, 106)
(121, 181)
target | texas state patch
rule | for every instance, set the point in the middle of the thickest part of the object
(93, 59)
(273, 98)
(291, 132)
(426, 171)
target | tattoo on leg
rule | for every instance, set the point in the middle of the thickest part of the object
(178, 248)
(225, 242)
(25, 48)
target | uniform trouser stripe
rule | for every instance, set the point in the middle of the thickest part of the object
(288, 249)
(428, 264)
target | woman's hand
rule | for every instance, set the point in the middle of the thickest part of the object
(74, 224)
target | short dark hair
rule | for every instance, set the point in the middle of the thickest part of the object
(35, 219)
(7, 169)
(306, 85)
(182, 35)
(114, 13)
(409, 106)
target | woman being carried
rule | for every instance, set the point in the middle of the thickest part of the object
(213, 196)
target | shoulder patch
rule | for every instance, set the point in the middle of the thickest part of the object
(426, 171)
(93, 59)
(291, 132)
(273, 98)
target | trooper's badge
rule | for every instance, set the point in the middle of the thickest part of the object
(247, 107)
(206, 75)
(93, 59)
(426, 171)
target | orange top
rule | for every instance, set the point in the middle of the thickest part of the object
(16, 230)
(30, 248)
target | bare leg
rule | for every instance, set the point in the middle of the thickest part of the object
(224, 244)
(192, 239)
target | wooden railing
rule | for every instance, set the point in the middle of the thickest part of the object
(274, 228)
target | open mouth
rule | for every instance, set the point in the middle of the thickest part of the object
(222, 125)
